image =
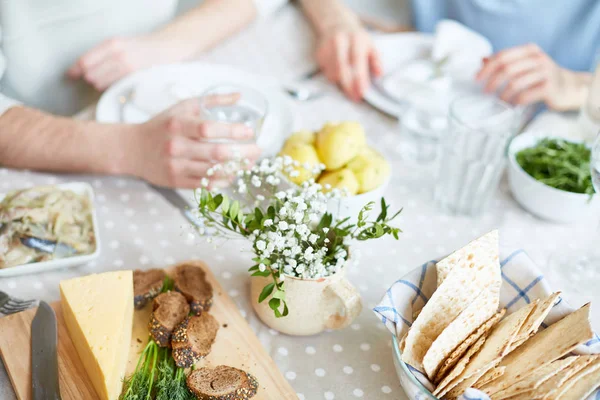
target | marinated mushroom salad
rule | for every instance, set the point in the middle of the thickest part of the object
(44, 223)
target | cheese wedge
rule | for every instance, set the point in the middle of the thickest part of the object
(98, 312)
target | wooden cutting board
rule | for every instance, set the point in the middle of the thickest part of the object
(236, 345)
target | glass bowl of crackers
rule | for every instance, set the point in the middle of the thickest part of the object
(479, 326)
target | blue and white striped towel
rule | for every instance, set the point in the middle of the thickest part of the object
(522, 282)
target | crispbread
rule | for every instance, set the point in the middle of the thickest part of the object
(552, 386)
(534, 320)
(489, 376)
(544, 347)
(463, 385)
(582, 385)
(480, 310)
(459, 351)
(460, 366)
(476, 268)
(533, 380)
(495, 347)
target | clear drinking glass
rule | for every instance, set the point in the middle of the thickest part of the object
(239, 105)
(473, 153)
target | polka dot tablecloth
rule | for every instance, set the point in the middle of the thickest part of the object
(139, 229)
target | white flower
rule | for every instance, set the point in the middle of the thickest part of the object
(326, 240)
(281, 277)
(313, 238)
(270, 247)
(204, 182)
(210, 172)
(292, 262)
(262, 267)
(283, 225)
(280, 195)
(283, 211)
(325, 230)
(261, 245)
(255, 180)
(300, 269)
(268, 222)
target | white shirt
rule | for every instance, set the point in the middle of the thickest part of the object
(41, 39)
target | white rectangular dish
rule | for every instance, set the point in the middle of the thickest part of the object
(79, 188)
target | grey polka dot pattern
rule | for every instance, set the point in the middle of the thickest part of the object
(140, 230)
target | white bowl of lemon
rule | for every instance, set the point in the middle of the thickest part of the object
(360, 171)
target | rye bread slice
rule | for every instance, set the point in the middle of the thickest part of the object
(190, 280)
(146, 286)
(169, 309)
(192, 339)
(222, 383)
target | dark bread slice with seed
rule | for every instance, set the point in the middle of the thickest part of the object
(169, 309)
(222, 383)
(146, 286)
(190, 280)
(193, 338)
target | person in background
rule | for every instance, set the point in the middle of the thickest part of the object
(56, 56)
(543, 53)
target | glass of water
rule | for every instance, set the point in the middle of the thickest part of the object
(473, 153)
(235, 104)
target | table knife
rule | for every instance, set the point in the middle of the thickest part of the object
(179, 203)
(44, 354)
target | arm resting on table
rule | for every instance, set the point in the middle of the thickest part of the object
(32, 139)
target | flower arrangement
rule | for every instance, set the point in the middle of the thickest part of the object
(291, 232)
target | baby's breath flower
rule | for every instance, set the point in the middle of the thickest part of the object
(261, 245)
(268, 222)
(313, 238)
(262, 267)
(204, 182)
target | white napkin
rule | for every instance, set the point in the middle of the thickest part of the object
(522, 282)
(463, 47)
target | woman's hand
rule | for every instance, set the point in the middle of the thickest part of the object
(526, 75)
(172, 149)
(348, 58)
(115, 58)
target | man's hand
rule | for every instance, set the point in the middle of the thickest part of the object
(174, 148)
(348, 58)
(115, 58)
(527, 75)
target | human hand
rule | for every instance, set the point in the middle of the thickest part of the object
(115, 58)
(172, 149)
(347, 57)
(528, 75)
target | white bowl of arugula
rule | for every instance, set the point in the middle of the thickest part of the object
(550, 177)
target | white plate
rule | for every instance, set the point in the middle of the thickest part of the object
(406, 55)
(168, 84)
(79, 188)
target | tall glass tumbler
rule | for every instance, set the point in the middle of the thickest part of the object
(473, 153)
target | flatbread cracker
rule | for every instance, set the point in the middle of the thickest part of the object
(535, 319)
(467, 322)
(460, 366)
(459, 389)
(534, 380)
(489, 376)
(494, 349)
(544, 347)
(475, 269)
(459, 351)
(553, 385)
(443, 267)
(581, 386)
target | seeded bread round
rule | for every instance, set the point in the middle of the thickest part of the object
(190, 280)
(192, 339)
(222, 383)
(169, 309)
(146, 286)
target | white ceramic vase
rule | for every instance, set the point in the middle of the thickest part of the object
(314, 304)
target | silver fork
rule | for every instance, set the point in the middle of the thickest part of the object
(10, 305)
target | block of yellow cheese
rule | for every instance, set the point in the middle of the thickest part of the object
(98, 312)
